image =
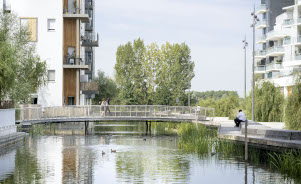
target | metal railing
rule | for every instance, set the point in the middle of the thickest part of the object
(273, 66)
(276, 49)
(73, 61)
(288, 22)
(260, 53)
(114, 111)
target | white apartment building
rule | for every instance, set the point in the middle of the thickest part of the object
(63, 31)
(280, 53)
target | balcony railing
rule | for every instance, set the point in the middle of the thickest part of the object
(260, 53)
(298, 39)
(273, 66)
(287, 41)
(73, 61)
(262, 39)
(260, 69)
(261, 8)
(88, 27)
(75, 13)
(89, 87)
(88, 41)
(298, 57)
(272, 50)
(89, 4)
(288, 22)
(261, 24)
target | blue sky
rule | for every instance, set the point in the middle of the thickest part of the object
(213, 29)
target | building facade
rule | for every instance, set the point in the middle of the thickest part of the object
(63, 31)
(279, 55)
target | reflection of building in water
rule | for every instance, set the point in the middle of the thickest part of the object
(77, 160)
(73, 128)
(7, 163)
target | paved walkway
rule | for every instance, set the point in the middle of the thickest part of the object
(265, 135)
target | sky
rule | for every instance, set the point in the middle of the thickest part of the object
(213, 29)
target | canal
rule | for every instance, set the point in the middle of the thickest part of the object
(127, 152)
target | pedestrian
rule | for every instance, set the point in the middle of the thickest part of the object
(107, 103)
(102, 110)
(241, 117)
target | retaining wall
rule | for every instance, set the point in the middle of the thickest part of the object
(7, 122)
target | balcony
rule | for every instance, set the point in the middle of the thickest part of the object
(260, 69)
(89, 88)
(260, 54)
(74, 63)
(261, 24)
(89, 4)
(273, 67)
(275, 51)
(298, 40)
(261, 39)
(275, 35)
(287, 41)
(261, 9)
(88, 27)
(288, 22)
(76, 13)
(88, 41)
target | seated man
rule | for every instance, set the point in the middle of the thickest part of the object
(240, 118)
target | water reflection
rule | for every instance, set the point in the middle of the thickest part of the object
(61, 153)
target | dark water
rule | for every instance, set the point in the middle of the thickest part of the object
(63, 154)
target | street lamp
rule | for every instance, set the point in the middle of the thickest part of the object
(245, 68)
(255, 20)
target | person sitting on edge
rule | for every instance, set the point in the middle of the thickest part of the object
(240, 118)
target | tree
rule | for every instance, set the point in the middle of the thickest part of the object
(153, 75)
(269, 103)
(293, 107)
(107, 86)
(21, 70)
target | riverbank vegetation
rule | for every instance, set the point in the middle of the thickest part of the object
(202, 140)
(21, 70)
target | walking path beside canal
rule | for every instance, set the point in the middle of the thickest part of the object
(264, 135)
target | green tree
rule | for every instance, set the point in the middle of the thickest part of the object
(153, 75)
(269, 103)
(107, 86)
(21, 70)
(293, 107)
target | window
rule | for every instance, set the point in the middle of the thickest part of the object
(31, 24)
(51, 75)
(6, 6)
(51, 24)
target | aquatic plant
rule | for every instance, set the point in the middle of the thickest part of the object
(196, 138)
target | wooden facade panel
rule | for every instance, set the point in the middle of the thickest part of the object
(69, 84)
(69, 35)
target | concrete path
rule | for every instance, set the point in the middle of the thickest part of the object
(265, 135)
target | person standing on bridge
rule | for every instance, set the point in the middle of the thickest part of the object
(107, 103)
(241, 117)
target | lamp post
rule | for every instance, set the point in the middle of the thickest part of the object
(189, 85)
(246, 122)
(245, 68)
(255, 20)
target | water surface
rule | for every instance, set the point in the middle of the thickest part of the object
(61, 153)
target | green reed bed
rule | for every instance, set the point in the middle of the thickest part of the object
(289, 163)
(196, 138)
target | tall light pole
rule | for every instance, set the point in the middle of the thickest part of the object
(246, 122)
(245, 67)
(255, 20)
(189, 85)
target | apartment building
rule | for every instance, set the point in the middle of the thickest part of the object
(64, 34)
(279, 55)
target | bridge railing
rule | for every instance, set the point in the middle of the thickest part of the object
(122, 111)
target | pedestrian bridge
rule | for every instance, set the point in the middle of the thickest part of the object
(95, 113)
